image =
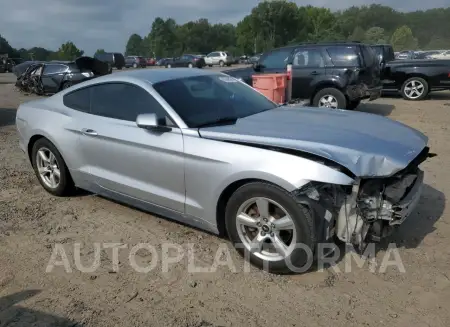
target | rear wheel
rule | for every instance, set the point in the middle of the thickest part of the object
(50, 168)
(169, 66)
(221, 63)
(414, 88)
(66, 85)
(268, 226)
(190, 65)
(135, 65)
(330, 98)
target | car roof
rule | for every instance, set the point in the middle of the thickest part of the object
(155, 75)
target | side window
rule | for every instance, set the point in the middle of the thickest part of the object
(54, 69)
(78, 100)
(276, 58)
(308, 58)
(124, 101)
(343, 56)
(369, 56)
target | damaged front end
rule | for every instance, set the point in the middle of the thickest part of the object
(30, 81)
(369, 209)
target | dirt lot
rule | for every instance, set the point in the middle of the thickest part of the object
(32, 222)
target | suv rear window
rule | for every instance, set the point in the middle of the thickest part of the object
(343, 55)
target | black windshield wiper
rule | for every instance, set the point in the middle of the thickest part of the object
(219, 122)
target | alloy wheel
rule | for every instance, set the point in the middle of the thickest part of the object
(266, 229)
(48, 168)
(328, 101)
(414, 89)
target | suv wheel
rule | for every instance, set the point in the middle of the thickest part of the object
(330, 98)
(221, 63)
(269, 227)
(135, 65)
(190, 65)
(414, 88)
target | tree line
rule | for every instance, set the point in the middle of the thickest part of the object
(273, 24)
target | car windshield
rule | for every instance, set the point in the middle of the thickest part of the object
(201, 100)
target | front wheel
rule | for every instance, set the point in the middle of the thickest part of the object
(268, 226)
(221, 63)
(330, 98)
(169, 66)
(190, 65)
(414, 88)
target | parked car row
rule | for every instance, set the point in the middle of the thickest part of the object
(341, 74)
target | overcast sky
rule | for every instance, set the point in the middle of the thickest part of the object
(107, 24)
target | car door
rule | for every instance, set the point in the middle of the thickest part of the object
(209, 59)
(308, 68)
(215, 58)
(122, 158)
(53, 76)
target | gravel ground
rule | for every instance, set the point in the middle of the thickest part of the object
(32, 222)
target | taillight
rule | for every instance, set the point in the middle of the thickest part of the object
(289, 72)
(448, 75)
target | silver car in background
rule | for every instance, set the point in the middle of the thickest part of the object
(205, 149)
(220, 58)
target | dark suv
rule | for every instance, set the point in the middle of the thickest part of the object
(335, 75)
(115, 59)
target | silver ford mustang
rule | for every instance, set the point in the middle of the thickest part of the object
(205, 149)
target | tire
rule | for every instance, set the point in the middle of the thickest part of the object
(169, 66)
(66, 85)
(302, 228)
(352, 105)
(421, 89)
(209, 65)
(135, 65)
(190, 65)
(65, 185)
(338, 99)
(221, 63)
(119, 68)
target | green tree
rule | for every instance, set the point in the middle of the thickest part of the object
(357, 35)
(274, 24)
(403, 39)
(162, 39)
(67, 51)
(134, 45)
(322, 23)
(438, 43)
(99, 51)
(375, 35)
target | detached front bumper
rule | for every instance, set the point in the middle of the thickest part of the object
(360, 92)
(408, 203)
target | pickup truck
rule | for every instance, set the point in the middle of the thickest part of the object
(414, 78)
(325, 74)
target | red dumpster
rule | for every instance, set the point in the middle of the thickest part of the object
(273, 86)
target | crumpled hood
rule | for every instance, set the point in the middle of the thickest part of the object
(368, 145)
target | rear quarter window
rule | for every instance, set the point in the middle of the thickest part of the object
(78, 100)
(343, 56)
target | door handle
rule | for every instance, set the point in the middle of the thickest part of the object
(315, 73)
(88, 131)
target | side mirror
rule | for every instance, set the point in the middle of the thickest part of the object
(150, 122)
